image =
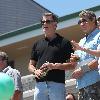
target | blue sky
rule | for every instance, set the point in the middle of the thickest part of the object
(65, 7)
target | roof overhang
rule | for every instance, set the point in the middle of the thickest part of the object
(35, 30)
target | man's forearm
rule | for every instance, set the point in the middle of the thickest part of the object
(17, 95)
(90, 66)
(65, 66)
(31, 68)
(93, 64)
(92, 52)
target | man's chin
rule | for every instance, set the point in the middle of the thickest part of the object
(84, 30)
(45, 32)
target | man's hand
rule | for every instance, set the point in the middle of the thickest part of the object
(77, 73)
(48, 66)
(76, 46)
(74, 58)
(38, 73)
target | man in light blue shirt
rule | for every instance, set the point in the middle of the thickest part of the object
(86, 73)
(98, 48)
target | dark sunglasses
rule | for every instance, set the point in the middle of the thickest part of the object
(82, 21)
(46, 21)
(1, 59)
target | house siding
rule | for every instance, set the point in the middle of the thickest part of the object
(15, 14)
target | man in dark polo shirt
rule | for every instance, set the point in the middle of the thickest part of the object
(49, 56)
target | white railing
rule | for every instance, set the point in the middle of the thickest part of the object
(28, 82)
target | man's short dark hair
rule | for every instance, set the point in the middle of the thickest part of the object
(55, 18)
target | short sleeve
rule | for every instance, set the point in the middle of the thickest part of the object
(34, 53)
(15, 74)
(68, 49)
(17, 80)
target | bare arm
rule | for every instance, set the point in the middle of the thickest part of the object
(31, 66)
(17, 95)
(60, 66)
(37, 72)
(79, 72)
(65, 66)
(93, 64)
(92, 52)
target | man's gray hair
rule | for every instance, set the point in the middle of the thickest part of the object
(88, 14)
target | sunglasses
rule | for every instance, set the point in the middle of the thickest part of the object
(82, 21)
(1, 59)
(46, 21)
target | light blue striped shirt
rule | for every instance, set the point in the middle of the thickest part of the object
(91, 41)
(99, 59)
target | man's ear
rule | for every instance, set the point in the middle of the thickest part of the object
(55, 24)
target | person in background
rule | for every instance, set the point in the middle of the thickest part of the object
(98, 22)
(6, 87)
(15, 74)
(70, 96)
(86, 72)
(48, 61)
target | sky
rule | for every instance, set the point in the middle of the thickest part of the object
(66, 7)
